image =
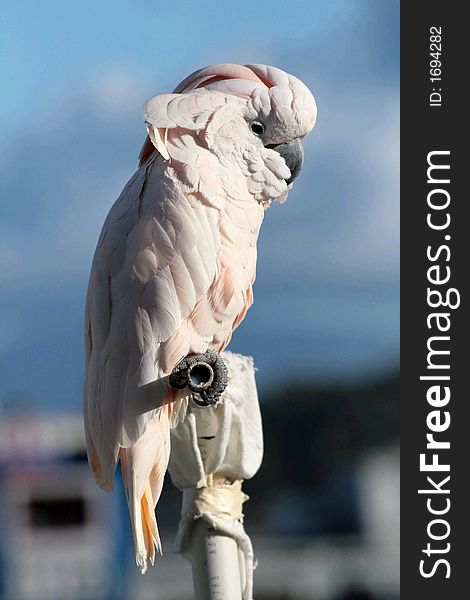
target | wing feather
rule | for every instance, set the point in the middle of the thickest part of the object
(156, 258)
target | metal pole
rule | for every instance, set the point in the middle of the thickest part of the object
(214, 557)
(213, 453)
(215, 565)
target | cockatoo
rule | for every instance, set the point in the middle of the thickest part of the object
(175, 263)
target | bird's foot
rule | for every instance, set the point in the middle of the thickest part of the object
(205, 374)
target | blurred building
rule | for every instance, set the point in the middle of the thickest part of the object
(59, 532)
(360, 566)
(323, 513)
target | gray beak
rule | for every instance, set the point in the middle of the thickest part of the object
(293, 153)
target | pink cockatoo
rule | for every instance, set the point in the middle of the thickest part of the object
(173, 270)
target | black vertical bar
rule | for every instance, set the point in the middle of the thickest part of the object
(431, 124)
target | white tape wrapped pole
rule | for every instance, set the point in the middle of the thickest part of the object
(213, 450)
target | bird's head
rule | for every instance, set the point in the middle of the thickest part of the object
(246, 121)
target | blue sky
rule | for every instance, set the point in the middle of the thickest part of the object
(326, 297)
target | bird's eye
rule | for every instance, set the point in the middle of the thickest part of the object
(257, 127)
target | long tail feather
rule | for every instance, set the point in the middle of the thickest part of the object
(143, 468)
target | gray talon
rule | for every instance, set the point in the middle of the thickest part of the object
(205, 374)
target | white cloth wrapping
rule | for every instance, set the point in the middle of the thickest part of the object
(213, 448)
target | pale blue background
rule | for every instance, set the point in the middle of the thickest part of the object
(75, 76)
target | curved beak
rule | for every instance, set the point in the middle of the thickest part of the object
(293, 154)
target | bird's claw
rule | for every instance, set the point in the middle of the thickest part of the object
(205, 374)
